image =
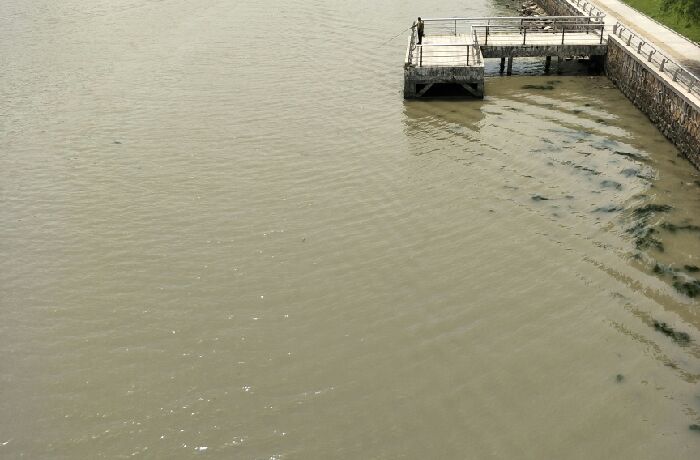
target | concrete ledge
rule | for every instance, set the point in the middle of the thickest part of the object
(543, 50)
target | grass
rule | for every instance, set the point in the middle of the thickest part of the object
(652, 8)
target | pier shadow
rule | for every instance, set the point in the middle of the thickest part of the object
(445, 112)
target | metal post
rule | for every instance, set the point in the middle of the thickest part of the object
(661, 67)
(524, 34)
(467, 55)
(455, 27)
(651, 53)
(563, 29)
(602, 29)
(639, 47)
(420, 62)
(487, 35)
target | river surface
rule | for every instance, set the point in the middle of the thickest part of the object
(224, 234)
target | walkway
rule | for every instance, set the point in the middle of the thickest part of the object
(676, 46)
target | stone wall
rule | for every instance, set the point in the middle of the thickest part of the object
(675, 114)
(558, 8)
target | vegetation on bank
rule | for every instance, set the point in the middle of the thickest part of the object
(679, 15)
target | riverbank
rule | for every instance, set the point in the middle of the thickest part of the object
(680, 48)
(653, 9)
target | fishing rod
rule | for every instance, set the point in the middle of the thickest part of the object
(394, 37)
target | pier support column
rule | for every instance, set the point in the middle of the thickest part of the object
(559, 61)
(409, 89)
(503, 65)
(547, 64)
(510, 66)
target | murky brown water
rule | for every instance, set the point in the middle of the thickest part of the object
(224, 233)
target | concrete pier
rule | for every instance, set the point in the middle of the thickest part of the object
(443, 60)
(457, 58)
(660, 76)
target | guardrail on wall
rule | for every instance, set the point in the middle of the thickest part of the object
(665, 64)
(587, 7)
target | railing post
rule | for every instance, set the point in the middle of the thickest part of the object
(563, 29)
(602, 31)
(661, 66)
(639, 47)
(455, 27)
(420, 61)
(524, 34)
(467, 55)
(487, 35)
(651, 53)
(615, 29)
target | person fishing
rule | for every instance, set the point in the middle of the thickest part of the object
(419, 25)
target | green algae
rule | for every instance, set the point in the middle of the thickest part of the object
(675, 228)
(540, 87)
(689, 288)
(648, 209)
(611, 184)
(682, 338)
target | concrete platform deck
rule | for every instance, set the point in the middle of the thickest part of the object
(541, 43)
(446, 51)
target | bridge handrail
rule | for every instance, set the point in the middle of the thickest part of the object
(461, 25)
(662, 61)
(509, 18)
(487, 30)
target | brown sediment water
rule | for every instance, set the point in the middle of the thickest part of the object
(224, 233)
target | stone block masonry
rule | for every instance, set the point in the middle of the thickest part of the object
(675, 113)
(559, 8)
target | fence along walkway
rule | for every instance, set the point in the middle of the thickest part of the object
(679, 74)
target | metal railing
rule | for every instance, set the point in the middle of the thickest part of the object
(587, 7)
(576, 33)
(461, 26)
(663, 62)
(446, 54)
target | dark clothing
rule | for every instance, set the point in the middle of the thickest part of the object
(419, 29)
